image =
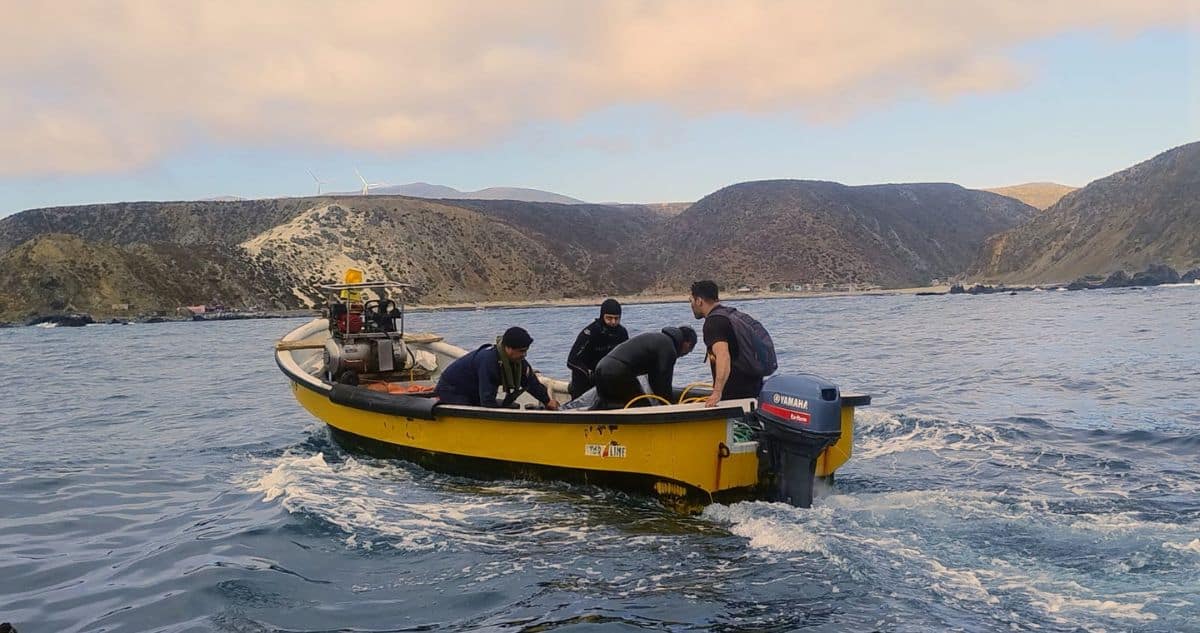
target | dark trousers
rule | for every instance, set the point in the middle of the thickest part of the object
(449, 396)
(580, 383)
(742, 387)
(616, 385)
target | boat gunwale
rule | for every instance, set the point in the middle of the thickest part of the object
(644, 415)
(640, 415)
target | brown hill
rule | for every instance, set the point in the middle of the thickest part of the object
(56, 273)
(1040, 195)
(795, 231)
(449, 253)
(183, 223)
(582, 236)
(1144, 215)
(273, 253)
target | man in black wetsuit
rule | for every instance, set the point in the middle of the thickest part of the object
(730, 378)
(596, 340)
(653, 355)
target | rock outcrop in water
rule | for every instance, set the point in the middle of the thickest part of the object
(1155, 275)
(63, 320)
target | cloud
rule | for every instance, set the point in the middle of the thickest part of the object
(95, 87)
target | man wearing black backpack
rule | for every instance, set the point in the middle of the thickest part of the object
(740, 350)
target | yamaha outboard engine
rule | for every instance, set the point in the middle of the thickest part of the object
(800, 416)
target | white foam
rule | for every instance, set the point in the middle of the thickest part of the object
(286, 475)
(903, 531)
(971, 447)
(1193, 546)
(1060, 598)
(379, 505)
(881, 434)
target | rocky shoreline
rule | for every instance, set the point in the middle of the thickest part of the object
(1156, 275)
(82, 319)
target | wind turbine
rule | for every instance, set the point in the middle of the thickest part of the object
(318, 181)
(367, 186)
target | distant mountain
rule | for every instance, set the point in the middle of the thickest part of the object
(1147, 214)
(1040, 195)
(797, 231)
(420, 190)
(426, 190)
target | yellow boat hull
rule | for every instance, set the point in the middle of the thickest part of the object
(670, 458)
(688, 455)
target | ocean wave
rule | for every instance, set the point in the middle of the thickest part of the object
(990, 553)
(1141, 467)
(384, 505)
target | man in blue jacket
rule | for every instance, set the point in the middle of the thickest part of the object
(475, 377)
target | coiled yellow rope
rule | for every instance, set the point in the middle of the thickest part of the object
(647, 395)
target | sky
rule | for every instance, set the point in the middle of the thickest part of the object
(624, 101)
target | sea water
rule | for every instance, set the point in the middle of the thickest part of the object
(1029, 463)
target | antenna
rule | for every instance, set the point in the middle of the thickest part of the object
(318, 181)
(366, 186)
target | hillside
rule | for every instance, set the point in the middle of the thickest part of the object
(273, 253)
(1147, 214)
(1039, 195)
(796, 231)
(182, 223)
(583, 236)
(449, 253)
(64, 273)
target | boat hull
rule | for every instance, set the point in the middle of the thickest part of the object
(686, 454)
(684, 458)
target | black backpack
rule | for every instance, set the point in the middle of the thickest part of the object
(756, 351)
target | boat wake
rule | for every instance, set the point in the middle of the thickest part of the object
(1072, 535)
(1062, 529)
(400, 506)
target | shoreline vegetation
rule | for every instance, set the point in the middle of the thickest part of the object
(1152, 276)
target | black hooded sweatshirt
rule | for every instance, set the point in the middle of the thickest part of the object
(593, 343)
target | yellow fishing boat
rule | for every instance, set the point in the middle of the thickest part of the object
(799, 428)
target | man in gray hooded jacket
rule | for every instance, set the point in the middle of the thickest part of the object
(653, 355)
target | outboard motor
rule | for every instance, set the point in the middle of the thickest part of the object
(800, 416)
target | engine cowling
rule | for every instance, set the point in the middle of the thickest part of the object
(800, 416)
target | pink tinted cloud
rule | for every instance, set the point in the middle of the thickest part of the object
(108, 86)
